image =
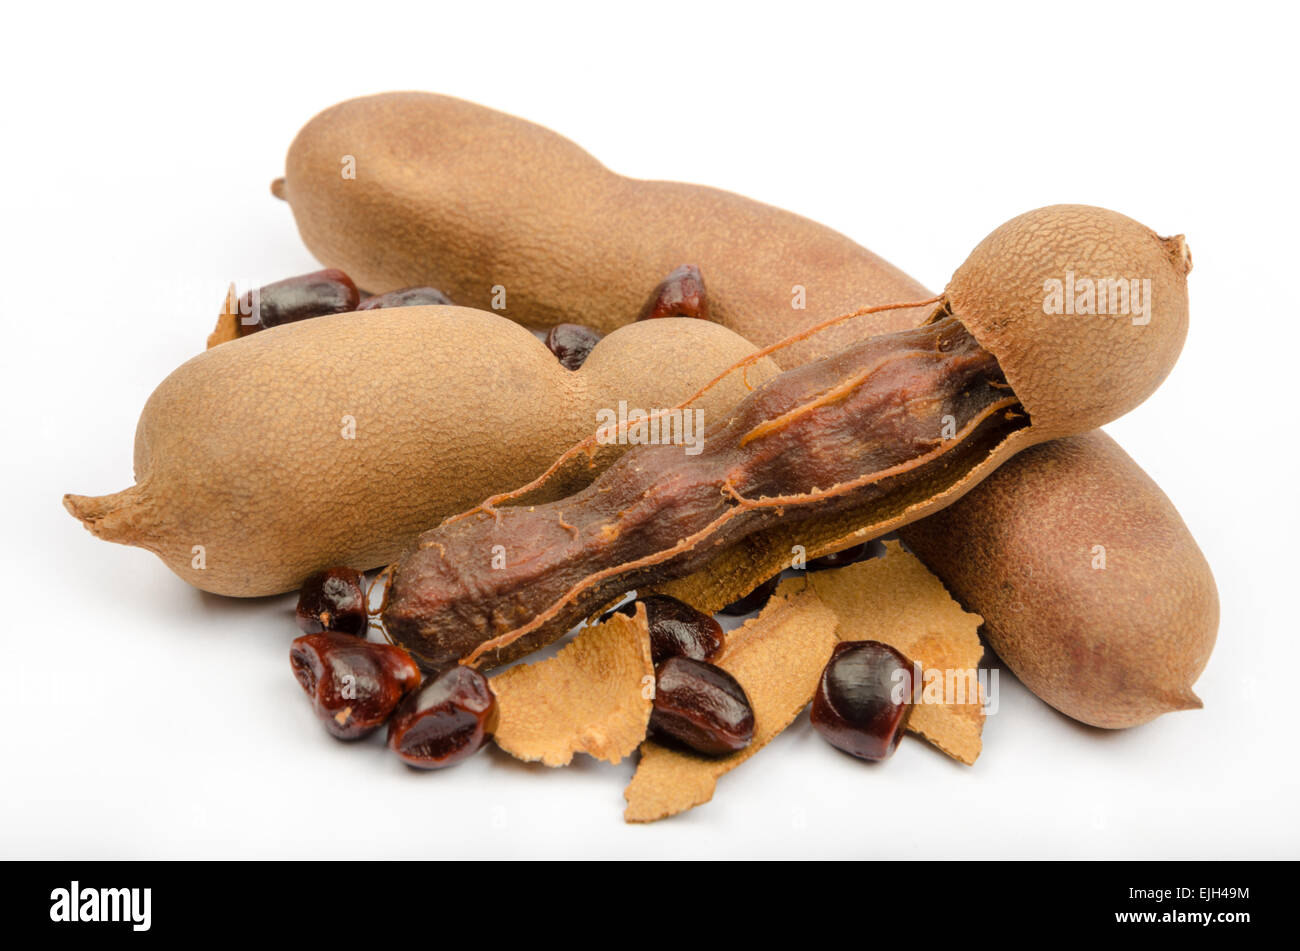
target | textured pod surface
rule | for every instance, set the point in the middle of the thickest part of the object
(339, 439)
(1112, 635)
(467, 199)
(1076, 359)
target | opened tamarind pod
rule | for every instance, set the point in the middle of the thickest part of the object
(845, 448)
(337, 440)
(1099, 601)
(415, 188)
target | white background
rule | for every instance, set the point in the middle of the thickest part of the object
(143, 718)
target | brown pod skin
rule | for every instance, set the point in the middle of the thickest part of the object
(1114, 646)
(1114, 362)
(466, 198)
(457, 404)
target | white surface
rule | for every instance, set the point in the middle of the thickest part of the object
(146, 719)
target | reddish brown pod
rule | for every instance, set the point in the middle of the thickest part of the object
(450, 719)
(354, 685)
(864, 699)
(334, 600)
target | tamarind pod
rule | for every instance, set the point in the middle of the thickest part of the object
(819, 448)
(477, 202)
(337, 440)
(1099, 601)
(659, 512)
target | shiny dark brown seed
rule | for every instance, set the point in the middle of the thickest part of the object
(297, 298)
(680, 294)
(406, 297)
(839, 559)
(754, 600)
(448, 720)
(354, 685)
(333, 600)
(571, 344)
(676, 628)
(864, 699)
(700, 706)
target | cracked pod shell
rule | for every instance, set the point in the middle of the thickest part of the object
(1075, 371)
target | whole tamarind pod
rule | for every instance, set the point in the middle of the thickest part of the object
(278, 455)
(1099, 601)
(852, 445)
(415, 188)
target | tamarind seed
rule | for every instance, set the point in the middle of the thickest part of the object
(680, 294)
(354, 685)
(863, 700)
(754, 600)
(676, 628)
(297, 298)
(334, 600)
(571, 344)
(448, 720)
(700, 706)
(406, 297)
(839, 559)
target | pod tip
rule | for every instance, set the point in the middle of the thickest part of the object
(1178, 251)
(113, 517)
